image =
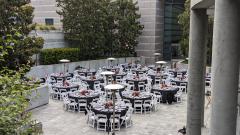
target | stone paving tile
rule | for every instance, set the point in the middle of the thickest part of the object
(166, 121)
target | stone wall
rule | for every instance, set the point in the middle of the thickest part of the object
(52, 39)
(43, 70)
(46, 9)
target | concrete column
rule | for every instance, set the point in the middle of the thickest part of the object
(225, 67)
(197, 65)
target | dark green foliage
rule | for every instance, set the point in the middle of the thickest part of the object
(52, 56)
(101, 27)
(184, 21)
(16, 47)
(13, 103)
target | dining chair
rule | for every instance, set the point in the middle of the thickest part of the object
(147, 106)
(62, 93)
(117, 122)
(138, 107)
(97, 85)
(82, 105)
(157, 80)
(91, 118)
(101, 122)
(158, 96)
(56, 93)
(72, 106)
(183, 87)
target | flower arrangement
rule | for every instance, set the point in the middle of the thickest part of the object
(65, 83)
(163, 86)
(136, 77)
(93, 77)
(84, 92)
(136, 93)
(108, 104)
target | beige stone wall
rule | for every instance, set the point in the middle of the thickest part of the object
(46, 9)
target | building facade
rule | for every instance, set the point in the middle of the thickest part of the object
(172, 30)
(45, 13)
(159, 18)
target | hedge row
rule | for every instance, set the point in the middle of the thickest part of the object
(52, 56)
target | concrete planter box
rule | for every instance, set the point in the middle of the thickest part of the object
(39, 97)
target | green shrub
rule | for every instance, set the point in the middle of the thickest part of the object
(41, 28)
(45, 27)
(52, 56)
(52, 27)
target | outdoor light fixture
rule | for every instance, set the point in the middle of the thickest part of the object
(64, 61)
(114, 88)
(111, 60)
(107, 74)
(161, 63)
(156, 56)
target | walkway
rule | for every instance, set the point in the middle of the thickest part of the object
(166, 121)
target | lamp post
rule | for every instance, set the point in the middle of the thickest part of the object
(111, 60)
(156, 56)
(161, 63)
(107, 74)
(64, 61)
(113, 88)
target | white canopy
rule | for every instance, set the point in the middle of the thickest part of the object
(161, 62)
(114, 87)
(64, 61)
(107, 73)
(111, 59)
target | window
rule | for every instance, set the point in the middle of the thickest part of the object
(49, 21)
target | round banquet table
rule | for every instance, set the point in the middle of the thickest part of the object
(178, 82)
(63, 77)
(179, 71)
(167, 94)
(90, 82)
(121, 75)
(143, 97)
(151, 66)
(88, 97)
(139, 70)
(156, 75)
(108, 112)
(111, 68)
(67, 88)
(136, 82)
(85, 72)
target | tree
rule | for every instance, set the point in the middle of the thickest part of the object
(16, 47)
(184, 21)
(101, 27)
(13, 103)
(128, 26)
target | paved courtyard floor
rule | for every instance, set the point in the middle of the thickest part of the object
(166, 121)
